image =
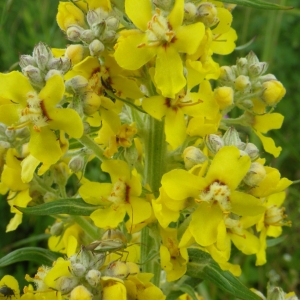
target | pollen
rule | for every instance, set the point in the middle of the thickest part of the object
(217, 192)
(118, 192)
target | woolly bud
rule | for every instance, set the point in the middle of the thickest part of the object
(96, 47)
(193, 156)
(255, 174)
(224, 96)
(273, 92)
(214, 143)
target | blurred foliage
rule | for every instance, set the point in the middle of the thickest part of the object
(24, 23)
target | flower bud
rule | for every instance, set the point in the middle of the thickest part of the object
(57, 229)
(252, 151)
(267, 77)
(242, 66)
(255, 174)
(78, 270)
(273, 92)
(252, 58)
(242, 83)
(227, 74)
(190, 11)
(86, 128)
(274, 216)
(193, 156)
(131, 155)
(76, 164)
(214, 143)
(109, 35)
(42, 54)
(132, 268)
(87, 36)
(231, 137)
(207, 14)
(258, 69)
(93, 277)
(164, 4)
(81, 293)
(92, 18)
(117, 269)
(224, 96)
(91, 103)
(48, 197)
(4, 145)
(60, 63)
(26, 60)
(74, 33)
(96, 47)
(52, 73)
(66, 284)
(76, 84)
(112, 23)
(34, 74)
(75, 53)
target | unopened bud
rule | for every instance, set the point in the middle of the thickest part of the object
(34, 74)
(109, 35)
(76, 84)
(87, 36)
(4, 145)
(96, 47)
(117, 269)
(48, 197)
(92, 18)
(93, 277)
(57, 229)
(91, 103)
(273, 92)
(164, 4)
(112, 23)
(26, 60)
(242, 83)
(252, 151)
(267, 77)
(258, 69)
(224, 96)
(75, 53)
(242, 66)
(81, 293)
(231, 137)
(252, 58)
(193, 156)
(42, 54)
(78, 270)
(255, 174)
(214, 143)
(60, 63)
(66, 284)
(227, 74)
(190, 11)
(76, 164)
(74, 33)
(207, 14)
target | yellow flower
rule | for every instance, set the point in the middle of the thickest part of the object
(172, 258)
(9, 288)
(217, 193)
(159, 37)
(39, 112)
(119, 198)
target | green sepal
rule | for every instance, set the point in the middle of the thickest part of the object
(260, 4)
(35, 254)
(201, 265)
(64, 206)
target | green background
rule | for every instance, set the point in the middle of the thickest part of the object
(24, 23)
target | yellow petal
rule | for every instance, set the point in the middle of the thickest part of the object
(268, 144)
(155, 106)
(264, 123)
(15, 86)
(52, 92)
(175, 17)
(169, 71)
(205, 222)
(108, 217)
(139, 12)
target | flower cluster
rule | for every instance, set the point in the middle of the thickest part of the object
(134, 91)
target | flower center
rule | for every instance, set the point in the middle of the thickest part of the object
(219, 192)
(34, 113)
(159, 30)
(274, 216)
(118, 193)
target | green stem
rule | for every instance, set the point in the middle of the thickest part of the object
(155, 157)
(86, 141)
(87, 227)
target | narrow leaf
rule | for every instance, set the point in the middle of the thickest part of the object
(65, 206)
(201, 265)
(260, 4)
(35, 254)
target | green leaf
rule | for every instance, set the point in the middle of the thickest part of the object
(260, 4)
(274, 242)
(65, 206)
(35, 254)
(201, 265)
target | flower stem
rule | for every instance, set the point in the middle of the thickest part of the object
(86, 141)
(87, 227)
(155, 157)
